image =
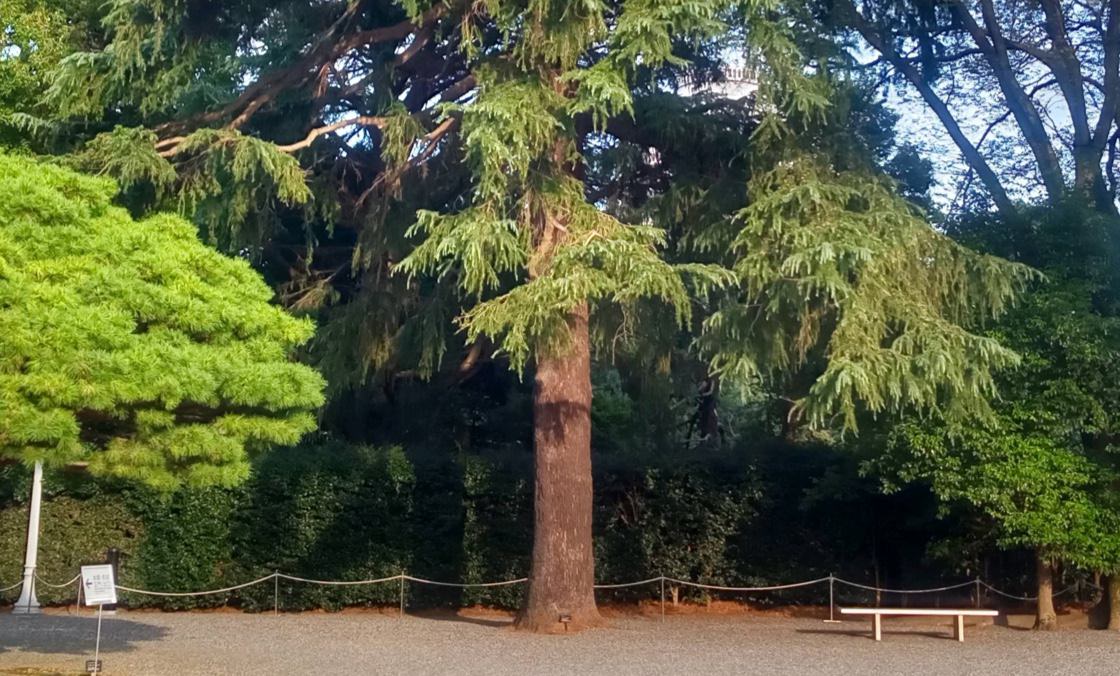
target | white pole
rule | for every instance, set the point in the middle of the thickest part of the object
(27, 604)
(97, 646)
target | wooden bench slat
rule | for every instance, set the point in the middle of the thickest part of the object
(968, 612)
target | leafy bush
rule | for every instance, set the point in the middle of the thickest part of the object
(335, 511)
(186, 548)
(72, 532)
(679, 521)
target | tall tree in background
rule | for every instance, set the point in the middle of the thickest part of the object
(411, 165)
(34, 36)
(1055, 66)
(1044, 470)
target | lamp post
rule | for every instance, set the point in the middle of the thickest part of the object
(27, 604)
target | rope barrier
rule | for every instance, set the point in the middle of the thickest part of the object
(59, 586)
(402, 577)
(906, 591)
(1026, 598)
(465, 585)
(748, 589)
(336, 583)
(631, 584)
(201, 593)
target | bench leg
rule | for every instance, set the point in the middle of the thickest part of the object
(959, 629)
(877, 626)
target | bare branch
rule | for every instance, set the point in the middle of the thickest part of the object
(1110, 107)
(361, 120)
(968, 150)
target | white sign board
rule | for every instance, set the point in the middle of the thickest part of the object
(98, 586)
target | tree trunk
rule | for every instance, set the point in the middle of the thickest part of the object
(1112, 589)
(1089, 182)
(707, 413)
(1047, 618)
(560, 595)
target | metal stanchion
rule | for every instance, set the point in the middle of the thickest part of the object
(275, 592)
(832, 600)
(662, 598)
(400, 616)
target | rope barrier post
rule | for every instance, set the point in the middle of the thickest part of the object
(662, 598)
(831, 599)
(275, 592)
(977, 591)
(400, 615)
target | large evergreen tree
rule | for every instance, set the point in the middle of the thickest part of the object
(517, 167)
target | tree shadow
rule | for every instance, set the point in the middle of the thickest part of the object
(73, 635)
(1003, 620)
(866, 633)
(443, 615)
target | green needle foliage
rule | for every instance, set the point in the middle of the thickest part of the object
(529, 221)
(461, 187)
(837, 268)
(131, 346)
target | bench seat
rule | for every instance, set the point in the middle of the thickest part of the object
(958, 613)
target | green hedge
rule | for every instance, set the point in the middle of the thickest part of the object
(342, 512)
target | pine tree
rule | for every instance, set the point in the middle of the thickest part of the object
(470, 151)
(132, 347)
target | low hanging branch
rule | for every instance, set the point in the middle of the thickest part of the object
(360, 121)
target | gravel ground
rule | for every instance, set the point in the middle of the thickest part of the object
(364, 643)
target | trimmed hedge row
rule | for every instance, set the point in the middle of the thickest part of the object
(335, 511)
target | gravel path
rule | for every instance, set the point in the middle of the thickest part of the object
(235, 643)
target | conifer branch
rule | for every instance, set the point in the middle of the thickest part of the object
(327, 50)
(429, 141)
(361, 120)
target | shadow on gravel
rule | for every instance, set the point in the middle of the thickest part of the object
(54, 634)
(448, 616)
(1004, 621)
(867, 634)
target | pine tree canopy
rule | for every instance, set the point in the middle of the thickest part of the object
(836, 266)
(496, 166)
(131, 346)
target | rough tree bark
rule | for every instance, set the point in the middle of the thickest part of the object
(1046, 618)
(560, 595)
(1112, 588)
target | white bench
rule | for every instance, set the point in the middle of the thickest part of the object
(958, 626)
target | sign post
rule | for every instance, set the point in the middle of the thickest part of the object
(99, 588)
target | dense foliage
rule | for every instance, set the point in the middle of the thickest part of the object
(327, 510)
(533, 226)
(132, 347)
